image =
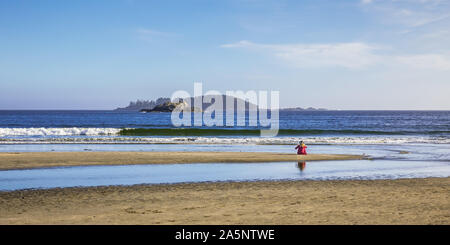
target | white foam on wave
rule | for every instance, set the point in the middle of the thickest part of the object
(57, 131)
(109, 138)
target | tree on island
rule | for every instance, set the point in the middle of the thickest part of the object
(143, 104)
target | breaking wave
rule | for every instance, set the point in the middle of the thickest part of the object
(88, 131)
(256, 132)
(68, 135)
(57, 131)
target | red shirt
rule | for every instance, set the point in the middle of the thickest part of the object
(301, 150)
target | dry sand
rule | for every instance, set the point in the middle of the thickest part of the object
(406, 201)
(22, 160)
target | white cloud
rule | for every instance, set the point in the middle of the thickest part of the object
(425, 61)
(347, 55)
(409, 13)
(440, 34)
(418, 20)
(352, 55)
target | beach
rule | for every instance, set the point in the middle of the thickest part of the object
(388, 201)
(26, 160)
(403, 201)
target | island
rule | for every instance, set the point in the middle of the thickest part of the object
(164, 104)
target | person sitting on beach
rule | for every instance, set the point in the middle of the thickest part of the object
(301, 148)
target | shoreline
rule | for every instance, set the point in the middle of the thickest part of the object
(29, 160)
(400, 201)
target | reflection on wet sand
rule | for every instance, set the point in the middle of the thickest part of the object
(301, 165)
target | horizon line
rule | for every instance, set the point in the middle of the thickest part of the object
(305, 109)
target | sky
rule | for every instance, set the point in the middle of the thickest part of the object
(354, 54)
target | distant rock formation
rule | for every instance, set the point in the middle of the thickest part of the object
(170, 106)
(165, 105)
(143, 104)
(303, 109)
(238, 103)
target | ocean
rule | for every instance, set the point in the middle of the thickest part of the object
(400, 144)
(423, 135)
(318, 127)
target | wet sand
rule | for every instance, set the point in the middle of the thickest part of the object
(24, 160)
(405, 201)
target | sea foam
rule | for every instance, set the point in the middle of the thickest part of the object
(57, 131)
(109, 137)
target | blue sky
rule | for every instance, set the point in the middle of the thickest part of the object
(333, 54)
